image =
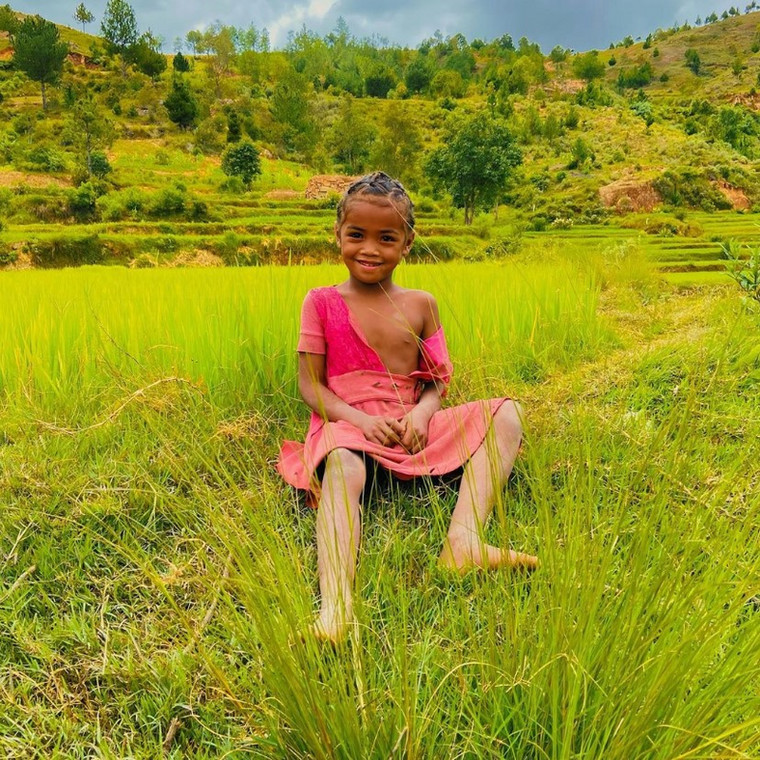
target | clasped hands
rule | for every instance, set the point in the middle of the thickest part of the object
(411, 431)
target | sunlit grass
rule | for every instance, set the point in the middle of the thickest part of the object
(155, 574)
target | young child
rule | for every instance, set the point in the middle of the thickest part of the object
(373, 366)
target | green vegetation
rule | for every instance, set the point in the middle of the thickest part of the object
(158, 574)
(39, 52)
(335, 103)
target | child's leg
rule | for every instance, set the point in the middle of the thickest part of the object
(485, 474)
(338, 534)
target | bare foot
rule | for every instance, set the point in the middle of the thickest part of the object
(464, 555)
(332, 625)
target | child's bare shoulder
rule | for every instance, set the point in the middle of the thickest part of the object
(417, 297)
(421, 305)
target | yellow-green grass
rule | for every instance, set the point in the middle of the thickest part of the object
(70, 330)
(156, 575)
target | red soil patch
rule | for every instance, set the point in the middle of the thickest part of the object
(630, 195)
(737, 197)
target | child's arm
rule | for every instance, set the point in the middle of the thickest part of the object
(312, 383)
(416, 422)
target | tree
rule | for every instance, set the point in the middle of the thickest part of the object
(181, 105)
(119, 28)
(397, 150)
(9, 21)
(379, 82)
(83, 15)
(180, 63)
(693, 61)
(39, 52)
(242, 160)
(290, 106)
(475, 161)
(233, 126)
(90, 131)
(218, 42)
(588, 66)
(351, 137)
(418, 75)
(146, 55)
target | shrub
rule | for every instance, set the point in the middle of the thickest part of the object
(242, 161)
(693, 61)
(7, 254)
(169, 202)
(46, 159)
(744, 271)
(228, 246)
(66, 251)
(690, 188)
(638, 76)
(127, 204)
(100, 166)
(210, 136)
(82, 201)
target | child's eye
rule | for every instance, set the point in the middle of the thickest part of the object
(389, 238)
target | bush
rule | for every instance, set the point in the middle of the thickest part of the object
(83, 200)
(127, 204)
(66, 251)
(690, 188)
(638, 76)
(693, 61)
(169, 202)
(100, 166)
(211, 135)
(43, 208)
(45, 159)
(744, 271)
(242, 161)
(228, 246)
(233, 185)
(7, 254)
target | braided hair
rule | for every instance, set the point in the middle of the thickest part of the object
(379, 185)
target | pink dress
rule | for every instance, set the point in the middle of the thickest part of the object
(356, 374)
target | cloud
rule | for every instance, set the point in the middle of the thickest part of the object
(576, 24)
(296, 16)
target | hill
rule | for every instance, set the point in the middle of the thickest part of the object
(667, 124)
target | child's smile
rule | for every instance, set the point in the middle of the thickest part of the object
(373, 239)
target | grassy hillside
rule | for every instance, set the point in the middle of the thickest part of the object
(690, 140)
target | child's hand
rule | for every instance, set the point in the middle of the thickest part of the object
(386, 431)
(415, 427)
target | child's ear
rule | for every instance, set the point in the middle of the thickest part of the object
(409, 241)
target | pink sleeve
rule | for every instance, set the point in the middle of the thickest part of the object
(311, 339)
(435, 365)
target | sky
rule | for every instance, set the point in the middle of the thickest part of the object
(576, 24)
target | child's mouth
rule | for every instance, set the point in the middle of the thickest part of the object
(369, 264)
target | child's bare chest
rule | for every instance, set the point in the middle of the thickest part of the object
(393, 332)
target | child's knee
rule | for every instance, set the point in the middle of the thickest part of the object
(509, 419)
(346, 464)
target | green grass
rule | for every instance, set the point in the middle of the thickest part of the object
(155, 573)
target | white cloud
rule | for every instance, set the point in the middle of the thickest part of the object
(295, 17)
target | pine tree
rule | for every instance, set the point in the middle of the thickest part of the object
(39, 52)
(83, 15)
(180, 104)
(119, 28)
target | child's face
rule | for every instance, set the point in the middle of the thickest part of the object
(373, 239)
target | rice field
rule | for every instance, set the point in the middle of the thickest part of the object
(156, 576)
